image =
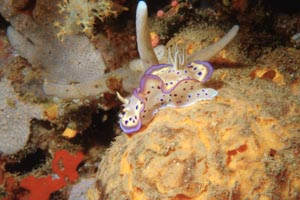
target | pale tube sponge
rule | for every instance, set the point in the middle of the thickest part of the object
(73, 91)
(22, 43)
(73, 68)
(93, 87)
(208, 52)
(145, 49)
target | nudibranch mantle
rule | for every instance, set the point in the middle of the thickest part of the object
(171, 76)
(165, 86)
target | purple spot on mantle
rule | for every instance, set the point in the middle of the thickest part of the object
(208, 67)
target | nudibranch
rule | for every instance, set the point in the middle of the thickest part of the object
(167, 85)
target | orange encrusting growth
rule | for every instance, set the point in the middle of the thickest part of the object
(236, 146)
(233, 152)
(64, 165)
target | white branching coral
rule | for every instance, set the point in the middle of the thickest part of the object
(145, 49)
(80, 15)
(212, 50)
(147, 54)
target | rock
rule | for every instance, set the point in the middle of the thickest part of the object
(237, 146)
(79, 190)
(15, 118)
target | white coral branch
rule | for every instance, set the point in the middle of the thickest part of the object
(208, 52)
(145, 49)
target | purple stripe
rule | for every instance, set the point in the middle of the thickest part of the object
(156, 67)
(162, 86)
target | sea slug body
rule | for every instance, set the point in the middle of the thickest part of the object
(167, 85)
(164, 86)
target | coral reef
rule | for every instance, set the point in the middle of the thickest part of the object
(78, 191)
(5, 49)
(199, 38)
(242, 144)
(167, 85)
(236, 146)
(65, 65)
(143, 37)
(69, 74)
(73, 68)
(210, 51)
(32, 187)
(80, 16)
(41, 188)
(15, 118)
(64, 166)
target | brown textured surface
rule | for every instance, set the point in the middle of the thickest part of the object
(244, 144)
